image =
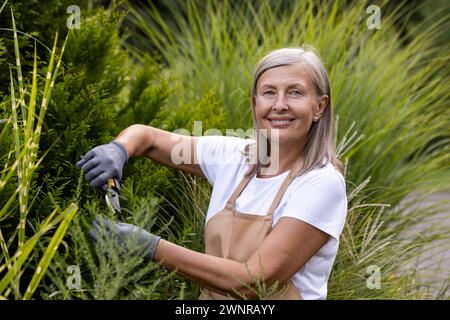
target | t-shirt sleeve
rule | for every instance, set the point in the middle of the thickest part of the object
(215, 152)
(320, 201)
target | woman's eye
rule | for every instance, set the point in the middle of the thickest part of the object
(295, 92)
(268, 92)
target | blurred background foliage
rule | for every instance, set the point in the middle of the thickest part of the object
(170, 63)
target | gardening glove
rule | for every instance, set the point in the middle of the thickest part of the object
(103, 162)
(126, 236)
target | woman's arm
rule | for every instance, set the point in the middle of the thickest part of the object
(285, 250)
(162, 146)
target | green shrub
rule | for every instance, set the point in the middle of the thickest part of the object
(35, 19)
(19, 247)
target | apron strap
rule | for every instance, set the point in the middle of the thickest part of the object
(231, 201)
(287, 181)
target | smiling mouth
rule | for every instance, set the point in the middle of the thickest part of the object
(280, 122)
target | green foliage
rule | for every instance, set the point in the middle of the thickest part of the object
(120, 274)
(75, 124)
(82, 112)
(35, 19)
(94, 56)
(148, 90)
(208, 109)
(2, 52)
(19, 164)
(99, 94)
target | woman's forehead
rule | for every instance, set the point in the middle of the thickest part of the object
(288, 75)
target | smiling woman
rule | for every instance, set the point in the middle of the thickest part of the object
(291, 97)
(280, 230)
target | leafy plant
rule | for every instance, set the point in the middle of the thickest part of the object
(26, 134)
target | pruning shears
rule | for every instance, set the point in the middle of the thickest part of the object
(112, 190)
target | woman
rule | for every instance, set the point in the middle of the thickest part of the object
(276, 219)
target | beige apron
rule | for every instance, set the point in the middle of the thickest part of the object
(234, 235)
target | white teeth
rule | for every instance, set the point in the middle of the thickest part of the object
(280, 121)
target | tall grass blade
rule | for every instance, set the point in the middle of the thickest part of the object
(68, 215)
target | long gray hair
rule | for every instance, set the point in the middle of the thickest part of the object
(320, 144)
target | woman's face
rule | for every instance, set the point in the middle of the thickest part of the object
(287, 94)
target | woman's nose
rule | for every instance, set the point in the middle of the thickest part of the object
(280, 102)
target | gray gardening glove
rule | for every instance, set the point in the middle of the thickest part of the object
(127, 235)
(103, 162)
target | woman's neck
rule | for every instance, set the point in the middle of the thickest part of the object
(280, 163)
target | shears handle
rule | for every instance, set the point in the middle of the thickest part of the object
(112, 184)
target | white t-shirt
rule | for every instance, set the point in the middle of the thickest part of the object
(317, 197)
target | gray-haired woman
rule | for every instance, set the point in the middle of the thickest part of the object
(278, 204)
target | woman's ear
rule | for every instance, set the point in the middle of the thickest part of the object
(323, 104)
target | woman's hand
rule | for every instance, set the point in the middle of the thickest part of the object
(103, 162)
(127, 235)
